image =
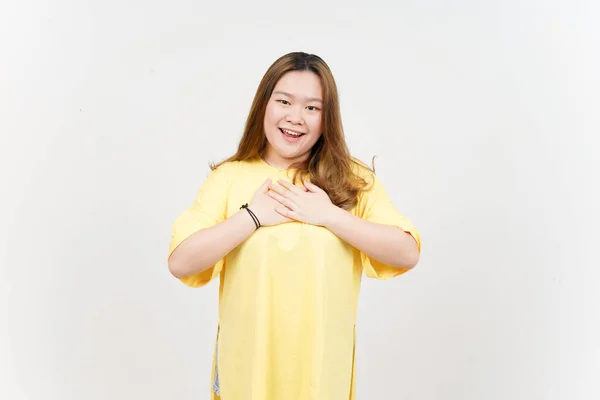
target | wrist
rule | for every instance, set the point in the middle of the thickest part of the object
(333, 216)
(245, 221)
(252, 215)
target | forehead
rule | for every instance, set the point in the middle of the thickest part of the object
(300, 83)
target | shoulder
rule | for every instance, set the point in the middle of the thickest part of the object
(219, 175)
(233, 172)
(226, 170)
(225, 167)
(235, 167)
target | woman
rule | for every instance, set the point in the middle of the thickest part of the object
(289, 223)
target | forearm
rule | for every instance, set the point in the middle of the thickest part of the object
(385, 243)
(206, 247)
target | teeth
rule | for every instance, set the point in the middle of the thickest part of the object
(291, 132)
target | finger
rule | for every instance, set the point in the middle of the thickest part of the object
(278, 189)
(291, 187)
(265, 185)
(282, 200)
(311, 187)
(286, 212)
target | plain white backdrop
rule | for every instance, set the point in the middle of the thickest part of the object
(484, 117)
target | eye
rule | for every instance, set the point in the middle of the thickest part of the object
(312, 108)
(283, 102)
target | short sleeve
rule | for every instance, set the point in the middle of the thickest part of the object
(375, 205)
(208, 209)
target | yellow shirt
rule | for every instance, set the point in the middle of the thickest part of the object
(288, 294)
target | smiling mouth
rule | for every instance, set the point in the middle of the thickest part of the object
(290, 134)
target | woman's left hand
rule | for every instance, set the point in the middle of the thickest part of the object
(309, 204)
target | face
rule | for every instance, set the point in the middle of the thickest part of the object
(293, 118)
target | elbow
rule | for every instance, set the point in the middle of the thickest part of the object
(407, 258)
(411, 252)
(411, 260)
(182, 268)
(405, 261)
(175, 268)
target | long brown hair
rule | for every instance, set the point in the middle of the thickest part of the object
(329, 165)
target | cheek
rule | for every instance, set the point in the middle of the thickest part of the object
(315, 123)
(268, 118)
(272, 115)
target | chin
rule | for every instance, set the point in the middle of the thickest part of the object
(288, 154)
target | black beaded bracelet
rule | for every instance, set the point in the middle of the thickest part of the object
(254, 217)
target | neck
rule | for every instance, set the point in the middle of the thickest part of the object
(279, 162)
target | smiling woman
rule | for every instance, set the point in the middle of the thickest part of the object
(290, 223)
(293, 115)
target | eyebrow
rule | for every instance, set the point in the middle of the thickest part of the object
(292, 96)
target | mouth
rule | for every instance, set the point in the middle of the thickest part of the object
(291, 136)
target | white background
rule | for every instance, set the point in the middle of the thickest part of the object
(484, 117)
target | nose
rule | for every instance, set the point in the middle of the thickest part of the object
(294, 117)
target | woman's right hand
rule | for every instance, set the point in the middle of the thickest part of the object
(263, 206)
